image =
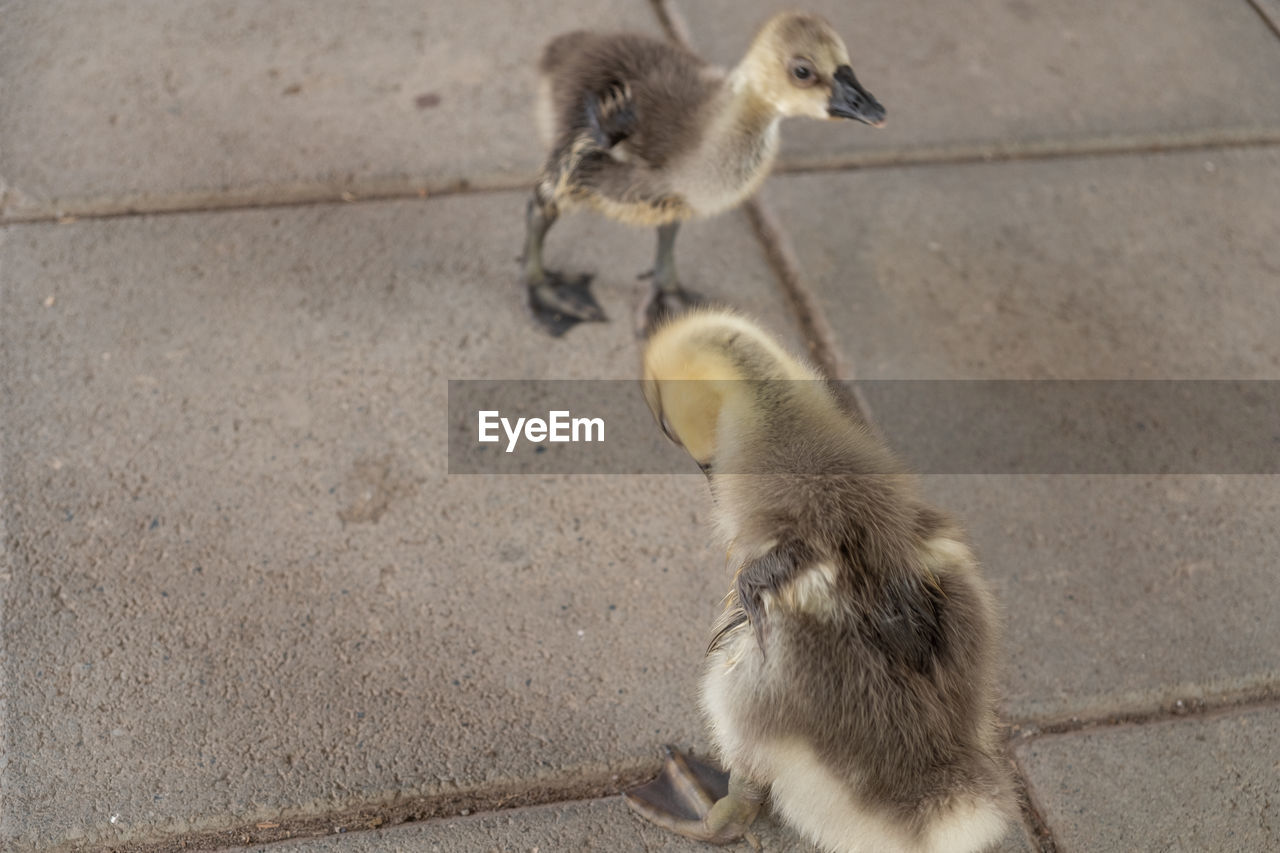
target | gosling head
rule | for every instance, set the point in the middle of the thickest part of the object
(702, 375)
(800, 64)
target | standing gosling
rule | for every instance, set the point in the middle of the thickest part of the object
(647, 133)
(850, 677)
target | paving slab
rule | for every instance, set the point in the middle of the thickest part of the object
(1003, 71)
(134, 99)
(588, 826)
(1186, 785)
(1133, 267)
(1127, 594)
(243, 587)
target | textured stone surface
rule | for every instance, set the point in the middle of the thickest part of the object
(237, 585)
(582, 827)
(243, 586)
(1010, 70)
(1155, 267)
(1127, 593)
(137, 98)
(1189, 785)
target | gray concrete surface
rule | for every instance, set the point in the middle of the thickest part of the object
(581, 827)
(244, 585)
(1124, 594)
(139, 99)
(1019, 70)
(240, 598)
(1187, 785)
(1128, 267)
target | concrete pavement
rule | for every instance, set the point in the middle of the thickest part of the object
(145, 104)
(243, 602)
(1204, 784)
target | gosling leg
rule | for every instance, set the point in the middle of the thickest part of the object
(690, 798)
(556, 302)
(667, 298)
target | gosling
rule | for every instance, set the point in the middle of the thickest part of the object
(646, 133)
(850, 676)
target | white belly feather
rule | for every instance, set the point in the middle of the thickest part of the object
(823, 808)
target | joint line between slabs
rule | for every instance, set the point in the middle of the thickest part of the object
(359, 818)
(1033, 820)
(673, 23)
(1221, 139)
(375, 191)
(1196, 708)
(1269, 11)
(259, 199)
(786, 268)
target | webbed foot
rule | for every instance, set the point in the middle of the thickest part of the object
(698, 800)
(663, 303)
(559, 304)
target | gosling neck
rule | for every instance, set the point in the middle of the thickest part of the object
(748, 112)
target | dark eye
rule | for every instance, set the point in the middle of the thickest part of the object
(802, 72)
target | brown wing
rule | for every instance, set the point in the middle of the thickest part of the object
(626, 87)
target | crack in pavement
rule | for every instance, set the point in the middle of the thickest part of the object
(393, 189)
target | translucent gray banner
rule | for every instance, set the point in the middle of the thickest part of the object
(935, 427)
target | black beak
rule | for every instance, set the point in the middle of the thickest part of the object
(850, 100)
